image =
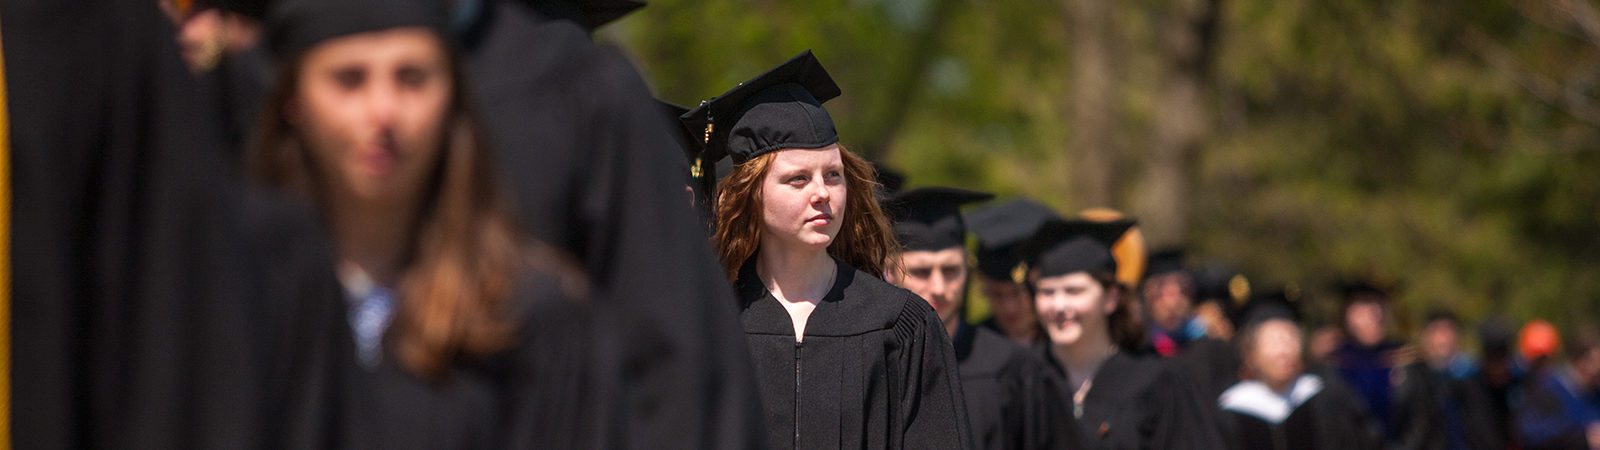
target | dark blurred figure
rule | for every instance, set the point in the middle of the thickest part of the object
(1396, 387)
(1562, 407)
(578, 141)
(1219, 291)
(1465, 404)
(1280, 405)
(1000, 228)
(1499, 372)
(1169, 290)
(465, 333)
(220, 43)
(149, 287)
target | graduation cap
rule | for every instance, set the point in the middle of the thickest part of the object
(1165, 261)
(779, 109)
(1280, 303)
(591, 14)
(685, 140)
(1000, 228)
(929, 219)
(1350, 289)
(889, 179)
(292, 26)
(1062, 247)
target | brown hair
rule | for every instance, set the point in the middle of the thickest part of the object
(460, 267)
(865, 239)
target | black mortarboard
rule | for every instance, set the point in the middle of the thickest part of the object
(1062, 247)
(889, 179)
(1282, 303)
(1000, 228)
(1351, 289)
(779, 109)
(1165, 261)
(294, 25)
(929, 219)
(686, 141)
(591, 14)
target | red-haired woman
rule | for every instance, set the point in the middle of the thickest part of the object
(843, 359)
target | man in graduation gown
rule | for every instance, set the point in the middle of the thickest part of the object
(1013, 400)
(1465, 406)
(580, 143)
(1169, 292)
(1280, 405)
(141, 313)
(999, 228)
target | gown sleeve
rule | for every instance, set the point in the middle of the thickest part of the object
(931, 410)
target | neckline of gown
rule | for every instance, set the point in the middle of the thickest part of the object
(841, 312)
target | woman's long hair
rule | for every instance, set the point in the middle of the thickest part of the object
(865, 239)
(459, 269)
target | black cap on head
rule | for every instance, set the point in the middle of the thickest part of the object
(891, 181)
(1063, 247)
(929, 219)
(591, 14)
(685, 140)
(1361, 290)
(1165, 261)
(1282, 303)
(1000, 228)
(776, 110)
(295, 25)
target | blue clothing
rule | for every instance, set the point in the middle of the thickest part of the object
(1556, 413)
(1365, 369)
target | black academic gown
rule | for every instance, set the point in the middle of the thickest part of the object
(875, 369)
(1330, 419)
(536, 393)
(583, 153)
(1141, 402)
(136, 317)
(1014, 400)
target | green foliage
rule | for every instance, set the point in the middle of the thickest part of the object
(1397, 140)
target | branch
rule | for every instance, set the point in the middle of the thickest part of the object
(1551, 93)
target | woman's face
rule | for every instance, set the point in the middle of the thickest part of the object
(803, 198)
(1072, 306)
(372, 108)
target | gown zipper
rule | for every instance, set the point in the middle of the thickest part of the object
(797, 346)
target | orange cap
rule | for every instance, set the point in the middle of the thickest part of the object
(1538, 339)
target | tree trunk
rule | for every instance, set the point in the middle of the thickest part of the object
(1095, 112)
(1182, 123)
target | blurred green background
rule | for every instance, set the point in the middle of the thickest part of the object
(1448, 148)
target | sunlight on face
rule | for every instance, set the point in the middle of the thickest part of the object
(1276, 356)
(1071, 306)
(940, 277)
(803, 198)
